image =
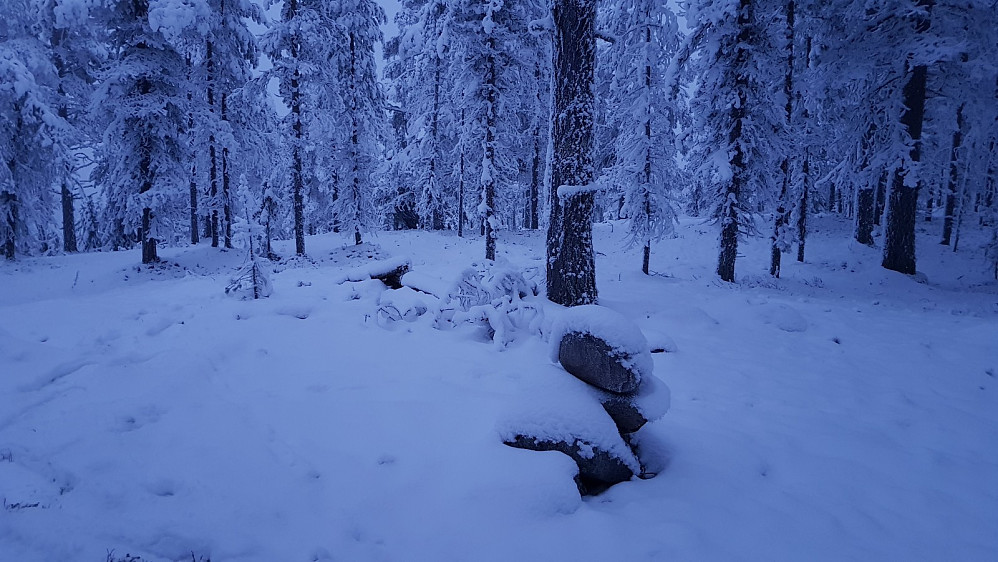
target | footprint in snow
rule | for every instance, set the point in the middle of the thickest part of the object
(163, 488)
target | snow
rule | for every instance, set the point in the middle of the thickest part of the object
(374, 269)
(143, 411)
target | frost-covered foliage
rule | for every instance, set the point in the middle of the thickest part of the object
(418, 69)
(490, 65)
(141, 104)
(252, 280)
(222, 52)
(731, 140)
(499, 297)
(34, 138)
(360, 139)
(300, 47)
(643, 111)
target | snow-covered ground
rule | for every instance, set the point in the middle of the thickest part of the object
(843, 412)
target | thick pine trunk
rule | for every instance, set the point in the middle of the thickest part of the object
(881, 200)
(571, 267)
(864, 216)
(899, 235)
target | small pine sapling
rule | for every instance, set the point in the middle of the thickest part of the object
(251, 281)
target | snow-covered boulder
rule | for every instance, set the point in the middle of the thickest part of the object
(598, 469)
(389, 272)
(632, 411)
(601, 347)
(401, 304)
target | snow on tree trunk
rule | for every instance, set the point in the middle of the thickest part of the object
(899, 235)
(571, 268)
(730, 215)
(951, 194)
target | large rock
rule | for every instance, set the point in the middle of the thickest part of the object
(598, 469)
(592, 360)
(625, 414)
(630, 412)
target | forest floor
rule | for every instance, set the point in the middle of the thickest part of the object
(843, 412)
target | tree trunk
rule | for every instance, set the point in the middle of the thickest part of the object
(297, 180)
(782, 213)
(881, 199)
(491, 109)
(533, 222)
(226, 197)
(805, 175)
(355, 143)
(928, 204)
(68, 219)
(730, 215)
(460, 190)
(899, 237)
(571, 267)
(954, 177)
(864, 216)
(802, 211)
(8, 203)
(148, 243)
(68, 211)
(195, 233)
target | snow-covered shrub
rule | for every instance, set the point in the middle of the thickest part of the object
(251, 281)
(497, 296)
(401, 304)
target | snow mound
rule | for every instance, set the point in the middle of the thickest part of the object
(659, 342)
(556, 408)
(784, 317)
(401, 304)
(623, 336)
(374, 270)
(653, 398)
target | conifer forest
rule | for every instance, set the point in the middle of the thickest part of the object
(291, 280)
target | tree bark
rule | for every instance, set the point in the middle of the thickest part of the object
(491, 116)
(864, 216)
(782, 212)
(803, 207)
(8, 202)
(732, 195)
(297, 181)
(954, 177)
(802, 211)
(571, 267)
(899, 237)
(535, 167)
